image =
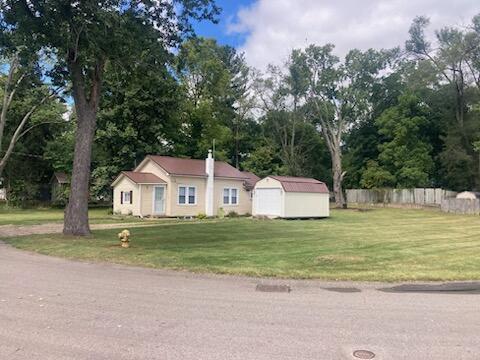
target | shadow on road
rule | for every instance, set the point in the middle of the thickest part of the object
(445, 288)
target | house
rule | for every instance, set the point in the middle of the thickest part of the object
(58, 183)
(290, 197)
(170, 186)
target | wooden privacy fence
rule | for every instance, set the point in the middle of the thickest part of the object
(417, 196)
(461, 206)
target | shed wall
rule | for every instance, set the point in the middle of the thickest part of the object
(298, 204)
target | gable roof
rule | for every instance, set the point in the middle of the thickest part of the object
(194, 167)
(140, 177)
(61, 177)
(251, 179)
(301, 184)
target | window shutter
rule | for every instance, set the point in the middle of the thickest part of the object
(121, 197)
(131, 196)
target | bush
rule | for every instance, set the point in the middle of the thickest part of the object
(233, 214)
(221, 213)
(201, 216)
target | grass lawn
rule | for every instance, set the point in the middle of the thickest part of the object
(379, 245)
(17, 216)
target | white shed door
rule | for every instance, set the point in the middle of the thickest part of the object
(268, 202)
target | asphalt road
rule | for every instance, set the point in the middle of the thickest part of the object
(57, 309)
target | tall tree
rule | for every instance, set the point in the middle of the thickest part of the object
(213, 78)
(281, 95)
(454, 56)
(405, 156)
(81, 38)
(339, 95)
(23, 96)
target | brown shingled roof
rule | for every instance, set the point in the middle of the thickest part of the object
(301, 184)
(143, 177)
(194, 167)
(251, 179)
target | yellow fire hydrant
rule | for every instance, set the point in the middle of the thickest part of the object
(124, 237)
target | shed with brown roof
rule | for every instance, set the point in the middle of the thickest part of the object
(58, 187)
(291, 197)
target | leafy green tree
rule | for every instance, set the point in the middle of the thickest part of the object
(339, 95)
(455, 57)
(375, 176)
(138, 115)
(404, 159)
(26, 103)
(213, 78)
(281, 96)
(263, 161)
(81, 38)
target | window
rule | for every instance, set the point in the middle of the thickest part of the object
(127, 197)
(230, 196)
(187, 195)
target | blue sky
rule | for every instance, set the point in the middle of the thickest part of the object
(220, 31)
(267, 30)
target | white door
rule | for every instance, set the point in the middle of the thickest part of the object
(159, 200)
(268, 202)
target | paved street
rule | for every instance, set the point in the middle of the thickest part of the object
(58, 309)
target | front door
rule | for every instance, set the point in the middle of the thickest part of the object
(159, 200)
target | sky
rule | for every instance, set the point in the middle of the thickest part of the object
(267, 30)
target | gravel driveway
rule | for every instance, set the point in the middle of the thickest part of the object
(53, 308)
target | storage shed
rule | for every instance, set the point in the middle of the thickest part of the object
(290, 197)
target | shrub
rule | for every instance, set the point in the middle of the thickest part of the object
(221, 213)
(233, 214)
(201, 216)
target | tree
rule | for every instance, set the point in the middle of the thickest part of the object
(404, 158)
(81, 38)
(138, 115)
(455, 57)
(22, 85)
(281, 96)
(339, 95)
(213, 78)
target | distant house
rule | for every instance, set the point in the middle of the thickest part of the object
(291, 197)
(58, 183)
(170, 186)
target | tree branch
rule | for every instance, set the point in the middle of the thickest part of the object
(18, 132)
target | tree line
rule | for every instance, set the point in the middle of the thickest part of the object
(106, 89)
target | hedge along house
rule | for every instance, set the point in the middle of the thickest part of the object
(169, 186)
(291, 197)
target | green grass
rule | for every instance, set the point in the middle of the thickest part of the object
(17, 216)
(377, 245)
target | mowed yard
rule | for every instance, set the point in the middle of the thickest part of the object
(18, 216)
(375, 245)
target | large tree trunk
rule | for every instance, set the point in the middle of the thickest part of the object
(338, 179)
(76, 213)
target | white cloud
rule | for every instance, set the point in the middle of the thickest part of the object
(275, 27)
